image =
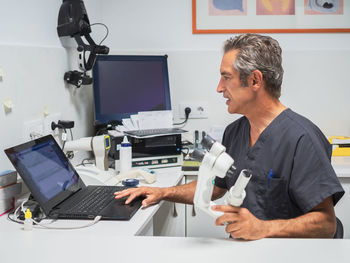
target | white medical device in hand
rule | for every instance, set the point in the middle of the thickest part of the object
(216, 162)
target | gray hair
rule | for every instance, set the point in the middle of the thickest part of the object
(257, 52)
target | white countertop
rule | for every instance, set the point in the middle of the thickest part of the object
(341, 165)
(73, 247)
(118, 241)
(165, 177)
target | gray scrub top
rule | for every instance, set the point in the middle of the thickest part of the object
(290, 161)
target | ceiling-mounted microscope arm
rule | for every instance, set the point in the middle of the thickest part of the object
(73, 22)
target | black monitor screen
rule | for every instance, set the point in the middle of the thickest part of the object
(125, 85)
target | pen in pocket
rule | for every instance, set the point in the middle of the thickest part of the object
(270, 176)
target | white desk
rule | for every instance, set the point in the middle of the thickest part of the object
(72, 246)
(341, 166)
(116, 241)
(137, 225)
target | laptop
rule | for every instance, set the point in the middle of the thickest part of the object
(58, 188)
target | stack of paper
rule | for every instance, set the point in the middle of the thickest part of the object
(145, 120)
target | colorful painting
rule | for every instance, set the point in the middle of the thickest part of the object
(275, 7)
(227, 7)
(324, 7)
(270, 16)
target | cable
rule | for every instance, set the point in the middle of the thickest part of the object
(9, 217)
(40, 225)
(181, 122)
(71, 134)
(188, 150)
(69, 154)
(187, 113)
(86, 159)
(64, 141)
(96, 219)
(107, 31)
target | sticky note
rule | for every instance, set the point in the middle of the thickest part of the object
(8, 104)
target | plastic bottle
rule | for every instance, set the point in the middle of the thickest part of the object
(28, 221)
(125, 155)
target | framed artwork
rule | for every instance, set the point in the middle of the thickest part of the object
(270, 16)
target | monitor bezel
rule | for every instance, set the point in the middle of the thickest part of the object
(104, 119)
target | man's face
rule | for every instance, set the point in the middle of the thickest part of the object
(238, 97)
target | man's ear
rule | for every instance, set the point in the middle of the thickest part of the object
(256, 79)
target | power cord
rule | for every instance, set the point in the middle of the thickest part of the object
(187, 113)
(84, 162)
(185, 153)
(64, 137)
(41, 225)
(64, 125)
(103, 129)
(107, 31)
(96, 219)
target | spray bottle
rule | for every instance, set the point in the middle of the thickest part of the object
(125, 155)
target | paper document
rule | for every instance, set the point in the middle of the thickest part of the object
(127, 123)
(147, 120)
(155, 119)
(135, 121)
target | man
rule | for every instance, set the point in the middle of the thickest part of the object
(294, 188)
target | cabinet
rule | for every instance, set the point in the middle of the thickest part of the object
(170, 220)
(200, 224)
(173, 219)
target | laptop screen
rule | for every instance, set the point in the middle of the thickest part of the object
(46, 170)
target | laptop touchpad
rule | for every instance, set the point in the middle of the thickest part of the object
(117, 209)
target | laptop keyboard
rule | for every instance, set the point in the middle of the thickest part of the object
(95, 201)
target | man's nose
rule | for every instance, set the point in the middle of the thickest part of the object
(220, 87)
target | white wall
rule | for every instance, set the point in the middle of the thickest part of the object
(316, 65)
(34, 61)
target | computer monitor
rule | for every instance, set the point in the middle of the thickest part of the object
(126, 84)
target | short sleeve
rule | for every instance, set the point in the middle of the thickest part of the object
(313, 178)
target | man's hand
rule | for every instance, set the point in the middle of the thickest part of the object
(153, 195)
(241, 223)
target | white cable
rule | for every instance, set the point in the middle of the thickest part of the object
(96, 219)
(40, 225)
